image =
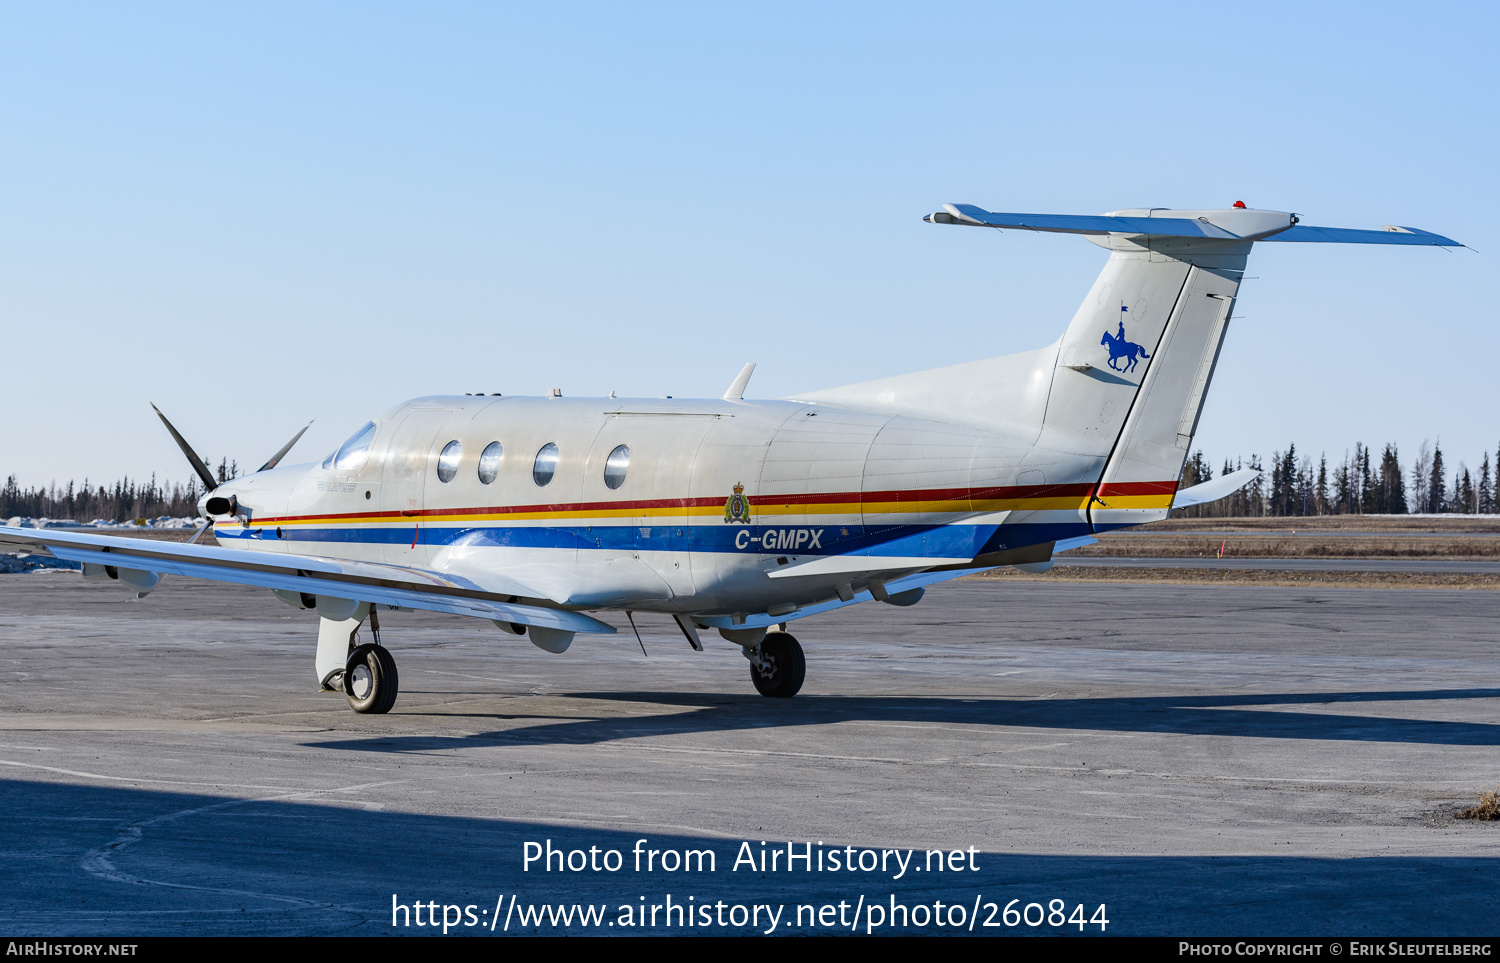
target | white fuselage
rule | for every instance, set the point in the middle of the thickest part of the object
(814, 480)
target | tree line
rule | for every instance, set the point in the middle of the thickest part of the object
(123, 501)
(1361, 484)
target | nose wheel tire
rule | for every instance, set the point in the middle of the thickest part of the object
(370, 682)
(779, 671)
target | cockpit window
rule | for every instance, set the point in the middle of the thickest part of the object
(352, 453)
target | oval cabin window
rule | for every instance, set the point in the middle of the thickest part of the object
(448, 461)
(616, 466)
(489, 462)
(545, 465)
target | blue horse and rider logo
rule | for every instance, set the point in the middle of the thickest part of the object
(1120, 349)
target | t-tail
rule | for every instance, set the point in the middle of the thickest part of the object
(1114, 404)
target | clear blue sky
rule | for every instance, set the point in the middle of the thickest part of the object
(258, 214)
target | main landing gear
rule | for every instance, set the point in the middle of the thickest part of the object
(777, 666)
(370, 680)
(366, 674)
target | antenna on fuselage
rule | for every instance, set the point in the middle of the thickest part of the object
(736, 390)
(631, 616)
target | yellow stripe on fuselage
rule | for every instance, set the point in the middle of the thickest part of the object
(761, 509)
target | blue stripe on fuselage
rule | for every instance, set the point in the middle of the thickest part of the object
(916, 541)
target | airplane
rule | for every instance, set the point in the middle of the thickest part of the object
(733, 514)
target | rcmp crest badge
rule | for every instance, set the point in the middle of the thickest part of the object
(737, 508)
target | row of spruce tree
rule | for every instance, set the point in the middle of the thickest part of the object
(125, 500)
(1359, 485)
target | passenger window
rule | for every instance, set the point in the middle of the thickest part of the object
(615, 467)
(448, 461)
(352, 453)
(489, 462)
(545, 465)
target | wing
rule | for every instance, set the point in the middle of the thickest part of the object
(893, 587)
(897, 586)
(490, 596)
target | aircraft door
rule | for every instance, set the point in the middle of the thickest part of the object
(407, 459)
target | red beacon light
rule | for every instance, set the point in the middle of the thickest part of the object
(1240, 204)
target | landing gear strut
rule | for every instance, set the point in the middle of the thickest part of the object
(777, 666)
(370, 681)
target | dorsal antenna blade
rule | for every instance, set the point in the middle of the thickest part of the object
(736, 390)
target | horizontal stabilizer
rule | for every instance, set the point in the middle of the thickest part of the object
(1212, 491)
(1233, 224)
(1345, 235)
(1075, 223)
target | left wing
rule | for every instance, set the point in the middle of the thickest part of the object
(492, 596)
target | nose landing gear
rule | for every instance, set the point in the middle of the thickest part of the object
(777, 666)
(370, 681)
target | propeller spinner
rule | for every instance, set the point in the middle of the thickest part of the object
(209, 482)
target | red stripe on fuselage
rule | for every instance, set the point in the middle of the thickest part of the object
(1138, 488)
(854, 499)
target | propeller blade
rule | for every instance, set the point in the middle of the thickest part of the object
(276, 458)
(209, 483)
(208, 526)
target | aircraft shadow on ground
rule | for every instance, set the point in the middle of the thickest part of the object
(1205, 715)
(122, 861)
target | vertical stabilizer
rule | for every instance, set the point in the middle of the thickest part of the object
(1114, 404)
(1182, 336)
(1134, 365)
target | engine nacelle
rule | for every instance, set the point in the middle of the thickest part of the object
(297, 600)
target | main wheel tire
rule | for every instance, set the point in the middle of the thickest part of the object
(782, 666)
(370, 681)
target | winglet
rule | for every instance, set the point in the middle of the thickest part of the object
(737, 389)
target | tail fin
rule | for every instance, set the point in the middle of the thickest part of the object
(1116, 401)
(1141, 352)
(1134, 365)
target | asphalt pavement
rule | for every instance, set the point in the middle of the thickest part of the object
(1188, 760)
